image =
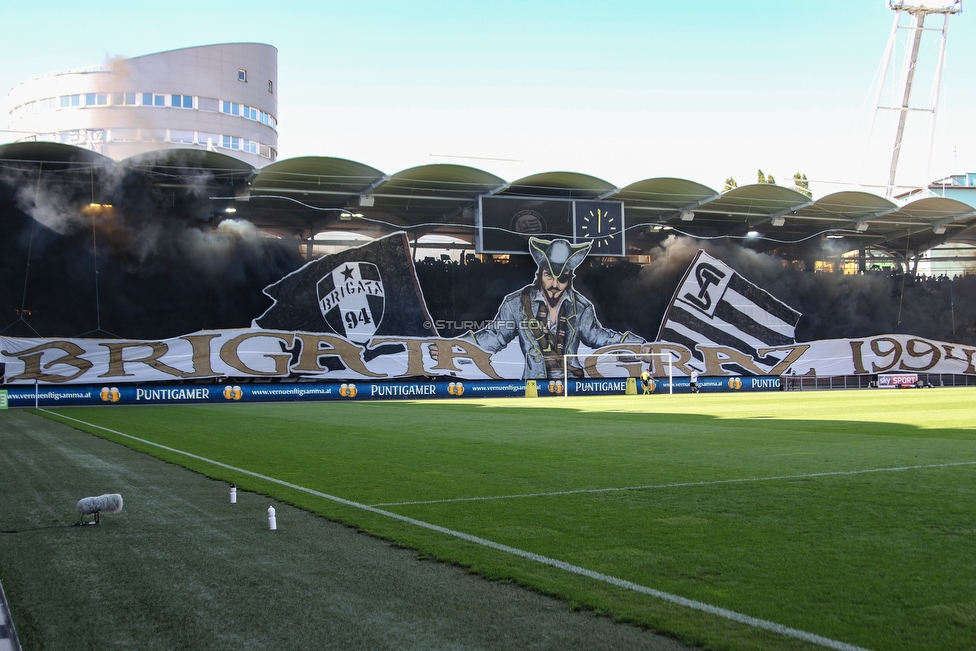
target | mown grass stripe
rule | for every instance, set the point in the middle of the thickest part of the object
(681, 484)
(545, 560)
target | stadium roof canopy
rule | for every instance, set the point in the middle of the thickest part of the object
(300, 197)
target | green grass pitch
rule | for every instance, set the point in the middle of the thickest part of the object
(848, 515)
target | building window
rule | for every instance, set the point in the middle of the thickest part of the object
(241, 74)
(124, 135)
(124, 99)
(70, 100)
(181, 101)
(150, 99)
(207, 104)
(270, 86)
(184, 137)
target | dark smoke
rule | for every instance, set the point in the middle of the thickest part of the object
(166, 269)
(634, 297)
(163, 267)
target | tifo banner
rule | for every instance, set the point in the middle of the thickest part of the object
(714, 305)
(368, 291)
(260, 354)
(360, 317)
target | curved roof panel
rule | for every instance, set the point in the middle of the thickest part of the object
(434, 194)
(319, 179)
(759, 201)
(852, 205)
(51, 152)
(935, 208)
(923, 224)
(656, 200)
(175, 162)
(565, 185)
(304, 196)
(845, 210)
(441, 181)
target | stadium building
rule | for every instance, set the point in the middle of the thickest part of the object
(213, 98)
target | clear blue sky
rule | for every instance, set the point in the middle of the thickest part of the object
(623, 90)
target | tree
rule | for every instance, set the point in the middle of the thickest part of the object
(730, 184)
(801, 185)
(766, 179)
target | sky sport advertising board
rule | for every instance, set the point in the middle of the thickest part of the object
(897, 381)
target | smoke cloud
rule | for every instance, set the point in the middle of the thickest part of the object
(833, 305)
(112, 250)
(104, 250)
(635, 297)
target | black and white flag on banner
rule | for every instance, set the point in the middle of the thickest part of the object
(715, 306)
(367, 291)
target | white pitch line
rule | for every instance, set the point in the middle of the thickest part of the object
(545, 560)
(679, 484)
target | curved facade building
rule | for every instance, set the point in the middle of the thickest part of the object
(217, 97)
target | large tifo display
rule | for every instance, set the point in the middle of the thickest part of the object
(360, 316)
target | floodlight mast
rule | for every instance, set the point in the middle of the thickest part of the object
(618, 354)
(918, 12)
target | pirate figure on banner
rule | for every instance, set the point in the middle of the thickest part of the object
(549, 317)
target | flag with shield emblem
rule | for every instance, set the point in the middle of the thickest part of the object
(715, 306)
(359, 293)
(351, 299)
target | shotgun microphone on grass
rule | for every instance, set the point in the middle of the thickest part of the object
(108, 503)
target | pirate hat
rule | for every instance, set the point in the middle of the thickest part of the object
(557, 256)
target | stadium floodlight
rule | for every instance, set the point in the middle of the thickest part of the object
(947, 6)
(626, 356)
(918, 11)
